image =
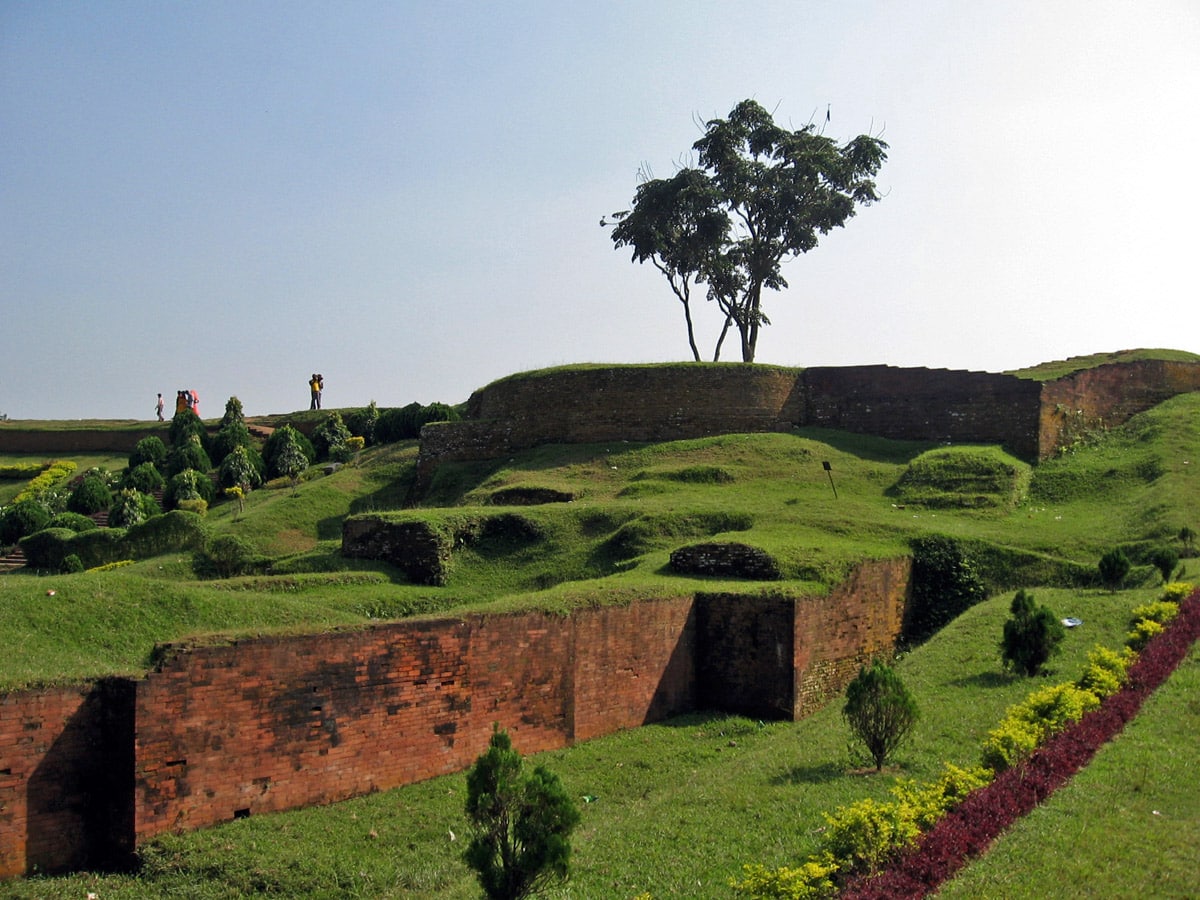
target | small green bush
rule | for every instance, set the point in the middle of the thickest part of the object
(927, 803)
(186, 425)
(149, 450)
(1114, 567)
(71, 563)
(1144, 631)
(187, 485)
(168, 533)
(1160, 611)
(1166, 560)
(287, 453)
(406, 422)
(229, 438)
(813, 880)
(863, 836)
(362, 422)
(240, 469)
(91, 495)
(521, 823)
(21, 519)
(228, 556)
(330, 436)
(196, 505)
(880, 711)
(131, 507)
(1026, 725)
(1177, 591)
(144, 477)
(77, 522)
(188, 455)
(1106, 671)
(1032, 635)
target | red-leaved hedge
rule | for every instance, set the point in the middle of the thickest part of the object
(970, 828)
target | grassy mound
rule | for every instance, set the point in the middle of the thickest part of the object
(964, 478)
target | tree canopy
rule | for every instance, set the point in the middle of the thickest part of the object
(759, 196)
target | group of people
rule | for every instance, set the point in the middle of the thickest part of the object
(183, 400)
(191, 400)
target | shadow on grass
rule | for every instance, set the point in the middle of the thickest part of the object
(986, 680)
(822, 773)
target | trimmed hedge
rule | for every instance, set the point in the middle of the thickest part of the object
(969, 830)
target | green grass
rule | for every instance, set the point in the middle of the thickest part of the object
(681, 805)
(1060, 369)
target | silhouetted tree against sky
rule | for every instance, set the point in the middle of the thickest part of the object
(760, 195)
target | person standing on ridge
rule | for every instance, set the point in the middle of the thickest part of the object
(158, 408)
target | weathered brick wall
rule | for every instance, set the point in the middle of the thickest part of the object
(649, 403)
(614, 403)
(836, 634)
(62, 442)
(66, 761)
(652, 403)
(631, 665)
(925, 405)
(1108, 396)
(266, 725)
(748, 660)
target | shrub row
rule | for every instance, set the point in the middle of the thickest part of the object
(970, 828)
(55, 473)
(178, 530)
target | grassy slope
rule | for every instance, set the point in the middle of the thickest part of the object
(1061, 368)
(634, 504)
(650, 828)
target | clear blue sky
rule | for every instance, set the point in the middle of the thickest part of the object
(405, 197)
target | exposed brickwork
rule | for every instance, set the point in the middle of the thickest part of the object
(925, 405)
(1107, 396)
(633, 664)
(615, 403)
(278, 723)
(748, 662)
(725, 558)
(66, 765)
(415, 547)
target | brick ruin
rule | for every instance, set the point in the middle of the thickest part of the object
(1030, 419)
(217, 732)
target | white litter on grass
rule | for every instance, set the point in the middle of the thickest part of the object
(1071, 621)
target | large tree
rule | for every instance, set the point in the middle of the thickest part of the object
(759, 196)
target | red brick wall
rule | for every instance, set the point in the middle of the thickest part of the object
(66, 758)
(835, 634)
(631, 665)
